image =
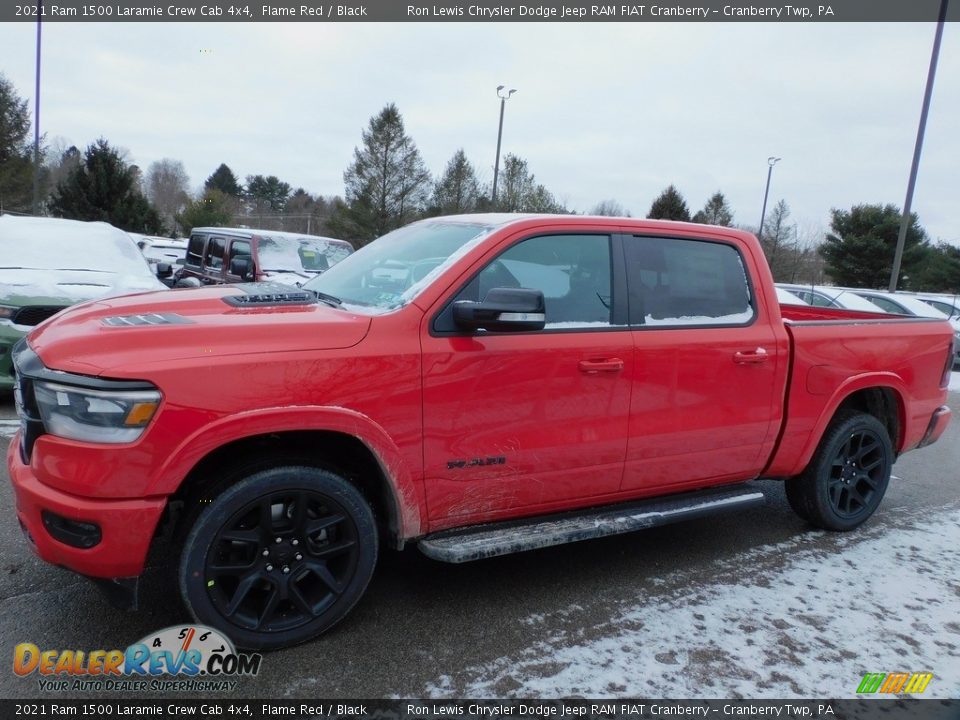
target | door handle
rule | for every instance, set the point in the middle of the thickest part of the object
(751, 357)
(607, 365)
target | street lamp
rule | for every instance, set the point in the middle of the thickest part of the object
(771, 161)
(496, 166)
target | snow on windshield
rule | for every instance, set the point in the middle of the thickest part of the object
(313, 254)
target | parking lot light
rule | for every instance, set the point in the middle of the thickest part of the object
(496, 166)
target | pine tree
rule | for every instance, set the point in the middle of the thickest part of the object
(670, 205)
(387, 184)
(16, 154)
(214, 208)
(266, 193)
(716, 212)
(103, 187)
(458, 190)
(519, 191)
(224, 180)
(859, 252)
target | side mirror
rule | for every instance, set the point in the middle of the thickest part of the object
(502, 310)
(243, 267)
(164, 270)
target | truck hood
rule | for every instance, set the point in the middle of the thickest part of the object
(117, 336)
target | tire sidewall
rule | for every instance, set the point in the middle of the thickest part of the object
(198, 542)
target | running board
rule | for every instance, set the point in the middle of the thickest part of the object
(484, 541)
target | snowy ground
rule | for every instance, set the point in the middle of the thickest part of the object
(812, 625)
(8, 427)
(955, 381)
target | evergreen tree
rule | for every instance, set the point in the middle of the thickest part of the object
(387, 184)
(519, 191)
(267, 193)
(16, 153)
(859, 252)
(458, 190)
(670, 205)
(716, 212)
(104, 187)
(938, 271)
(214, 208)
(224, 180)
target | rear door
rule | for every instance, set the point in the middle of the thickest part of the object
(529, 420)
(705, 398)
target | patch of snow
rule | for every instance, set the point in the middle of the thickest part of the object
(732, 319)
(8, 428)
(886, 599)
(954, 381)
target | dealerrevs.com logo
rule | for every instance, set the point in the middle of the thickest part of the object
(181, 657)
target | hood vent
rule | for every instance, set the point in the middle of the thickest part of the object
(145, 319)
(269, 294)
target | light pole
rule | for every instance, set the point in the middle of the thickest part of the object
(771, 161)
(918, 146)
(496, 165)
(36, 122)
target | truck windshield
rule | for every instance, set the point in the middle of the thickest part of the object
(391, 270)
(312, 254)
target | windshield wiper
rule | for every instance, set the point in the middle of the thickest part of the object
(328, 299)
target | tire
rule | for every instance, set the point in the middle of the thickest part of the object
(280, 557)
(848, 475)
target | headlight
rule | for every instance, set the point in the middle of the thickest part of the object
(7, 312)
(106, 416)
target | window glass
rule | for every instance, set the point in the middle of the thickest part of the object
(195, 250)
(886, 305)
(686, 282)
(819, 300)
(239, 248)
(215, 253)
(572, 271)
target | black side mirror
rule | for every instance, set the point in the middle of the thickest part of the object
(243, 267)
(164, 270)
(502, 310)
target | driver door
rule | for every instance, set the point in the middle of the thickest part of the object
(522, 420)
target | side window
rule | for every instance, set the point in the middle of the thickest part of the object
(195, 250)
(887, 305)
(572, 271)
(214, 257)
(686, 282)
(240, 248)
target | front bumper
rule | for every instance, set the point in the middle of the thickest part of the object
(126, 526)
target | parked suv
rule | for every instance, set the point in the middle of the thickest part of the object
(230, 255)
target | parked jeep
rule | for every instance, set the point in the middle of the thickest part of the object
(229, 255)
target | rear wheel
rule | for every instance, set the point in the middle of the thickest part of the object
(280, 557)
(848, 475)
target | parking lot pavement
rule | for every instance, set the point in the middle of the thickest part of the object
(754, 603)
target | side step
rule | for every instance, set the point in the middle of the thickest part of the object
(484, 541)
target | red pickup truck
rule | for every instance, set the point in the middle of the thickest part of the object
(478, 385)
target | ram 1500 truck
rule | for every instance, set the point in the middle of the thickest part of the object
(477, 385)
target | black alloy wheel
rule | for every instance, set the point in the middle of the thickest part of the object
(848, 475)
(279, 557)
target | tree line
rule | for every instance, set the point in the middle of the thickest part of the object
(388, 185)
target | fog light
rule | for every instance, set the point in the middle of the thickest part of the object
(75, 533)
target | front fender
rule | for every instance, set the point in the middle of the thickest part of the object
(406, 490)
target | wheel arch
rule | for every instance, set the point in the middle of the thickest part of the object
(335, 438)
(879, 396)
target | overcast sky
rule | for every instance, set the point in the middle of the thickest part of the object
(602, 111)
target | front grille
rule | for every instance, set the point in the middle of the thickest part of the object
(35, 314)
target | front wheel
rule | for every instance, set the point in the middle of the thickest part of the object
(280, 557)
(848, 475)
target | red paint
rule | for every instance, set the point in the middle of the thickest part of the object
(580, 417)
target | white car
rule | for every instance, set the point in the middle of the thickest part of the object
(948, 304)
(160, 249)
(785, 297)
(830, 297)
